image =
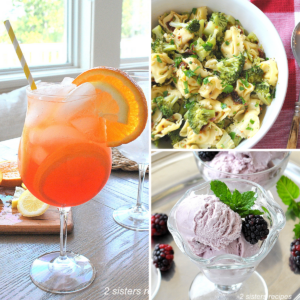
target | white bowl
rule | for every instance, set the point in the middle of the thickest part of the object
(252, 19)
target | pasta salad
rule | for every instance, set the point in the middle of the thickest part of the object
(210, 80)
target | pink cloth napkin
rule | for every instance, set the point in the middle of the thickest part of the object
(284, 14)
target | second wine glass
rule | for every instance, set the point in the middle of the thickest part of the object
(136, 216)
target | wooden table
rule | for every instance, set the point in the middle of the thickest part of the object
(119, 255)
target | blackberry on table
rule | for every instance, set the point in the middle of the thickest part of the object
(207, 155)
(295, 253)
(255, 228)
(163, 256)
(159, 224)
(293, 266)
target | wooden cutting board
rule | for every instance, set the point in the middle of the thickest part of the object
(12, 222)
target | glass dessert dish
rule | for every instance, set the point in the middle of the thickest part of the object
(266, 178)
(228, 275)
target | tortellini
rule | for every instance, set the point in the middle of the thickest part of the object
(211, 64)
(233, 42)
(225, 142)
(252, 50)
(208, 136)
(196, 66)
(244, 91)
(247, 124)
(186, 85)
(270, 71)
(212, 89)
(161, 67)
(182, 37)
(234, 107)
(165, 19)
(220, 112)
(201, 13)
(165, 126)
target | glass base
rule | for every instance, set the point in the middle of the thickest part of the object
(51, 274)
(132, 217)
(253, 288)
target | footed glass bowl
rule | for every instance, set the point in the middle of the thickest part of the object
(266, 179)
(231, 275)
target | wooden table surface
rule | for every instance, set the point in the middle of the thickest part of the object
(119, 255)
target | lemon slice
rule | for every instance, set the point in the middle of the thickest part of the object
(30, 206)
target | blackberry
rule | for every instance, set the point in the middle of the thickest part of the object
(255, 228)
(207, 155)
(159, 224)
(163, 256)
(295, 253)
(236, 98)
(293, 266)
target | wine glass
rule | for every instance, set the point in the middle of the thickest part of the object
(136, 217)
(64, 162)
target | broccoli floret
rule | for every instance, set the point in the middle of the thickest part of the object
(236, 138)
(192, 26)
(230, 69)
(221, 124)
(202, 22)
(217, 21)
(158, 46)
(174, 136)
(198, 116)
(252, 38)
(203, 49)
(255, 74)
(179, 107)
(230, 19)
(166, 104)
(158, 32)
(156, 142)
(264, 92)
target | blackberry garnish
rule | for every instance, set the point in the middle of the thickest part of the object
(163, 256)
(293, 266)
(207, 155)
(295, 254)
(159, 224)
(255, 228)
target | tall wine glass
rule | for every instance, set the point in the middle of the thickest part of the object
(136, 216)
(63, 161)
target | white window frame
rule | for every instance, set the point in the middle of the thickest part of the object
(96, 28)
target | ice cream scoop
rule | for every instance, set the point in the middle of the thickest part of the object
(249, 162)
(238, 247)
(206, 222)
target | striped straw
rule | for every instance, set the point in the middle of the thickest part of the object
(20, 54)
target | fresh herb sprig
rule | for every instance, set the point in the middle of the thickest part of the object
(239, 203)
(288, 191)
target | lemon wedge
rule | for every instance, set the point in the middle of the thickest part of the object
(24, 186)
(18, 192)
(30, 206)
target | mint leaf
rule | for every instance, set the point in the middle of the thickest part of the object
(240, 203)
(287, 190)
(248, 199)
(221, 190)
(290, 215)
(297, 231)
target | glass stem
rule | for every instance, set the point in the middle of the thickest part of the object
(142, 173)
(63, 211)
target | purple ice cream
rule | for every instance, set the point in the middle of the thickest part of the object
(211, 228)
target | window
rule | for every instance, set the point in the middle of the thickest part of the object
(135, 27)
(41, 29)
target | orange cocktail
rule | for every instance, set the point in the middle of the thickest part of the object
(63, 158)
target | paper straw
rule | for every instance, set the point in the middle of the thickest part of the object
(20, 54)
